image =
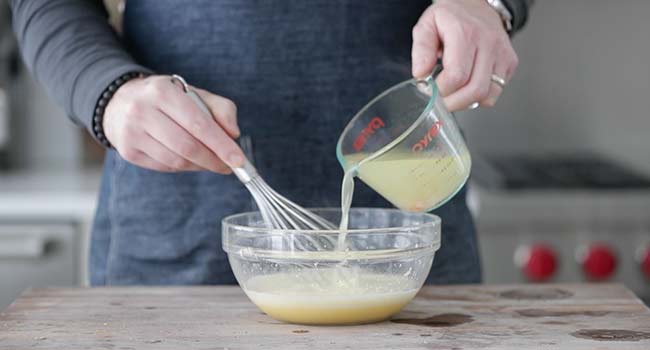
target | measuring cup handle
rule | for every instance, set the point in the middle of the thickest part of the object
(437, 69)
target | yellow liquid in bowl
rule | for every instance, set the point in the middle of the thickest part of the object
(330, 297)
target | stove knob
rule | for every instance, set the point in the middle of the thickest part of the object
(538, 262)
(644, 261)
(598, 262)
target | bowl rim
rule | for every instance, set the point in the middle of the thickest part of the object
(435, 222)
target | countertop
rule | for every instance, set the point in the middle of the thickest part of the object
(566, 316)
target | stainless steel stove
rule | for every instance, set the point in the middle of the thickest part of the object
(563, 219)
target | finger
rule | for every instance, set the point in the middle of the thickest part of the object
(457, 59)
(172, 137)
(143, 160)
(224, 111)
(493, 96)
(478, 87)
(160, 153)
(495, 89)
(147, 162)
(181, 108)
(511, 62)
(424, 52)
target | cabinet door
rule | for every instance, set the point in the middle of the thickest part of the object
(37, 255)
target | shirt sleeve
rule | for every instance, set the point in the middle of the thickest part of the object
(71, 49)
(519, 10)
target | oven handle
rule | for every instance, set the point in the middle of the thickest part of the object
(24, 246)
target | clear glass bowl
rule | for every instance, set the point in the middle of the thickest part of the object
(302, 277)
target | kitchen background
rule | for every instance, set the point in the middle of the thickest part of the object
(561, 177)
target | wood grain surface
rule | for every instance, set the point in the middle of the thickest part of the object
(579, 316)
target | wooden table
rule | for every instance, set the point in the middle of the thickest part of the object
(452, 317)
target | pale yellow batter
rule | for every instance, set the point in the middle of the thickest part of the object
(329, 297)
(414, 184)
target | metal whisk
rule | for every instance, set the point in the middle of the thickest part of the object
(277, 211)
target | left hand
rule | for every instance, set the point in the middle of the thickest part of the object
(475, 44)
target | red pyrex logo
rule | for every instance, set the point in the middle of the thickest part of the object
(424, 142)
(363, 136)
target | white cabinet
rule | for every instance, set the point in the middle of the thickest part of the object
(37, 255)
(45, 220)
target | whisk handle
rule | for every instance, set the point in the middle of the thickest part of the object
(246, 172)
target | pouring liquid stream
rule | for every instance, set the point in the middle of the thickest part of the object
(347, 191)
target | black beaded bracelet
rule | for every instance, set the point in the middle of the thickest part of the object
(100, 106)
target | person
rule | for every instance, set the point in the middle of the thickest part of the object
(286, 75)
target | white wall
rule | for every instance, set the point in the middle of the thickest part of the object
(583, 83)
(41, 135)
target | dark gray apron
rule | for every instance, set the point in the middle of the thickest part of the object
(298, 71)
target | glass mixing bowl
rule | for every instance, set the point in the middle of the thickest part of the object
(303, 277)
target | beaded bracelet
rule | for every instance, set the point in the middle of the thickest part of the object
(98, 117)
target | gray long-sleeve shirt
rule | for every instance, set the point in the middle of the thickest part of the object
(71, 49)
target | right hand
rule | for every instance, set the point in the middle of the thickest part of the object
(152, 123)
(476, 45)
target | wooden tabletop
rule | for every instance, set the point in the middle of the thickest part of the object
(579, 316)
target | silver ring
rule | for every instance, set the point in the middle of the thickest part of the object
(178, 78)
(498, 80)
(473, 105)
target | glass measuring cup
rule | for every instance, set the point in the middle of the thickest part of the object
(406, 146)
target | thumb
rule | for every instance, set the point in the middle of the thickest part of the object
(426, 43)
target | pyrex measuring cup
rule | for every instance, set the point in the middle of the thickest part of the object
(406, 146)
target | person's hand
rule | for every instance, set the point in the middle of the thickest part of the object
(153, 124)
(470, 36)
